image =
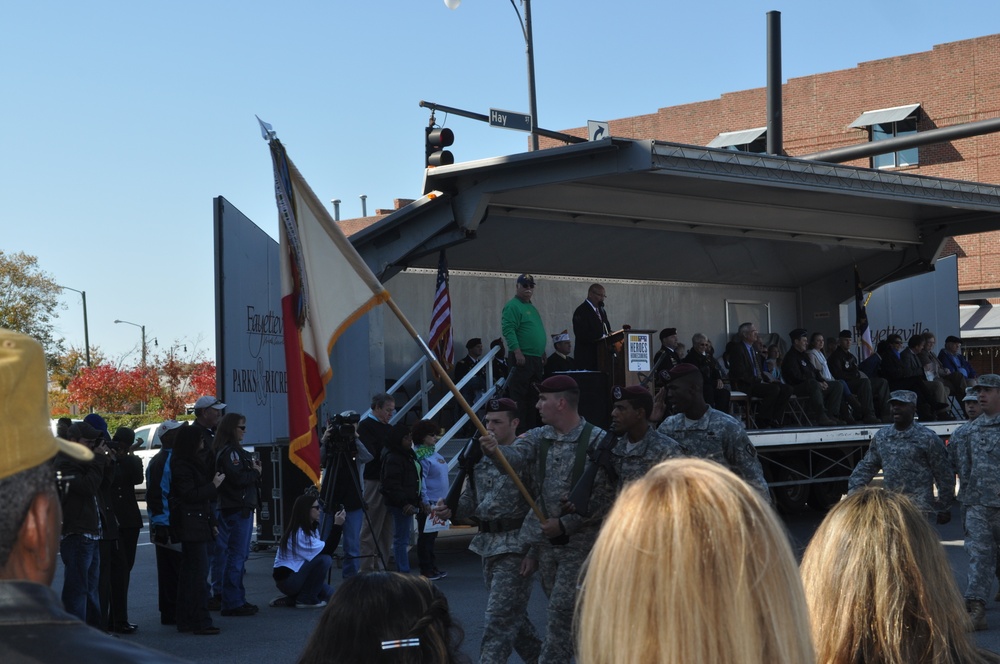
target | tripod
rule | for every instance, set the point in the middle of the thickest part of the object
(340, 480)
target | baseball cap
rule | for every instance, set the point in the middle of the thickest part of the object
(208, 402)
(526, 280)
(24, 408)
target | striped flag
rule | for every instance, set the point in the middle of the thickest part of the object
(325, 287)
(441, 341)
(864, 335)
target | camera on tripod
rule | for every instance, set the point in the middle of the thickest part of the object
(340, 435)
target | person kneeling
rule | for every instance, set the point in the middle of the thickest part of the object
(304, 559)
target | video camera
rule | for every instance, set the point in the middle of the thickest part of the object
(340, 435)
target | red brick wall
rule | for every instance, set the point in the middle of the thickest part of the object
(954, 83)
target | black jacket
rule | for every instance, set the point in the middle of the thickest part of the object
(796, 368)
(843, 365)
(128, 473)
(374, 435)
(588, 329)
(239, 490)
(741, 367)
(81, 482)
(555, 363)
(400, 478)
(192, 493)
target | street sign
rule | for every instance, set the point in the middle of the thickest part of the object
(597, 130)
(510, 120)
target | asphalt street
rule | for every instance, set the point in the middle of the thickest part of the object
(278, 634)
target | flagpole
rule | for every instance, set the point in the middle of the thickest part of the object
(499, 458)
(340, 241)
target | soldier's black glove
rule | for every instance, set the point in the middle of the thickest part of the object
(943, 517)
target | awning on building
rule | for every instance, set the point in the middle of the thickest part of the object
(884, 115)
(729, 138)
(979, 321)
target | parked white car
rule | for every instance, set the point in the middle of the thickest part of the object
(147, 444)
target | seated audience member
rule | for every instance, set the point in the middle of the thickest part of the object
(747, 373)
(849, 405)
(773, 360)
(560, 359)
(951, 358)
(304, 559)
(880, 588)
(716, 393)
(386, 618)
(34, 626)
(953, 380)
(914, 366)
(824, 398)
(692, 566)
(900, 376)
(869, 391)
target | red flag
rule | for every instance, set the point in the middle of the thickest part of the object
(441, 340)
(325, 287)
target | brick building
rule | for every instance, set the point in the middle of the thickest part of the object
(951, 84)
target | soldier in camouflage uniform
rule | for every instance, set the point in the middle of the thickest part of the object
(558, 452)
(638, 446)
(490, 499)
(704, 432)
(912, 457)
(975, 456)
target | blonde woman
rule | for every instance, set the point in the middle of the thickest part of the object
(692, 566)
(880, 589)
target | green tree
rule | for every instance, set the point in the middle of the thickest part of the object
(29, 300)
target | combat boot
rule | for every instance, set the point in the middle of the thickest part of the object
(977, 612)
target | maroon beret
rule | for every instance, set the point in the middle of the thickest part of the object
(683, 369)
(501, 406)
(630, 392)
(558, 383)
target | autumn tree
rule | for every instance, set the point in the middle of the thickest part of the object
(108, 389)
(29, 300)
(65, 366)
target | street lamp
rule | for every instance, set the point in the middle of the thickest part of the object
(86, 331)
(143, 328)
(530, 50)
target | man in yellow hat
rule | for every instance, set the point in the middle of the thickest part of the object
(33, 625)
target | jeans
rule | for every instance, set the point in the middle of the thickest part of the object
(232, 546)
(402, 524)
(82, 559)
(308, 585)
(352, 542)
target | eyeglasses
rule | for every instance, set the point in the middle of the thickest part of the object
(242, 427)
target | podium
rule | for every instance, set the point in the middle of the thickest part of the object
(627, 357)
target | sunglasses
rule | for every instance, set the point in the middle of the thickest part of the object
(241, 427)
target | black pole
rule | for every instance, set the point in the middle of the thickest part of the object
(530, 48)
(86, 331)
(774, 112)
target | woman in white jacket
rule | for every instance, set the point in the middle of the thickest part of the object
(304, 559)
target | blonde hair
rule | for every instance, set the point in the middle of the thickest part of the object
(879, 586)
(692, 566)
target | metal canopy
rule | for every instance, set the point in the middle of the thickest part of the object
(730, 138)
(663, 211)
(883, 115)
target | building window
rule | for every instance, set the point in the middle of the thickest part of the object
(888, 123)
(746, 140)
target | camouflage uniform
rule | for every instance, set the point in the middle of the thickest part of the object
(631, 465)
(721, 438)
(490, 497)
(912, 462)
(975, 456)
(559, 565)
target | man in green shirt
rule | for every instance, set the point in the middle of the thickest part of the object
(526, 339)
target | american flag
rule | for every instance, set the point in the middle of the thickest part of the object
(440, 335)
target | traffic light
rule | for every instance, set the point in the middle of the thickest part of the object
(434, 149)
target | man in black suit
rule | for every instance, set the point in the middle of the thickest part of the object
(747, 373)
(590, 326)
(560, 359)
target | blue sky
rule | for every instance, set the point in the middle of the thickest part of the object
(122, 120)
